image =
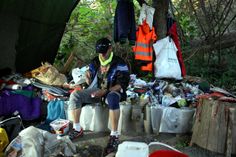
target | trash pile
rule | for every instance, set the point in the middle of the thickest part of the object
(172, 93)
(161, 105)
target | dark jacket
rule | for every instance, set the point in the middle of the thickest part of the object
(124, 22)
(117, 74)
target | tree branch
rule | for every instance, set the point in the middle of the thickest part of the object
(222, 19)
(207, 18)
(228, 24)
(227, 41)
(195, 13)
(213, 13)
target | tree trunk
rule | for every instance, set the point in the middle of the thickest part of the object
(159, 20)
(215, 125)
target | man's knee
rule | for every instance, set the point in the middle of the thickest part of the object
(74, 101)
(113, 99)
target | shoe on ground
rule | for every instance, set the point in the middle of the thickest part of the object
(112, 145)
(74, 134)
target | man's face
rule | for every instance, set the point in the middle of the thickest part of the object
(105, 56)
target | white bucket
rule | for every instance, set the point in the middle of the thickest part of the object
(99, 119)
(156, 114)
(94, 118)
(147, 120)
(125, 125)
(132, 149)
(177, 120)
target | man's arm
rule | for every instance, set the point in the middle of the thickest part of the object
(103, 92)
(88, 77)
(91, 72)
(122, 80)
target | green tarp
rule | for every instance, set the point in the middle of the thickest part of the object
(31, 31)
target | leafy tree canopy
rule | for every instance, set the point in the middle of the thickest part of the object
(201, 20)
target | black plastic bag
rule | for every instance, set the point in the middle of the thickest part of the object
(12, 126)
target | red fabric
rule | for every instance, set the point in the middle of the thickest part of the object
(227, 99)
(206, 96)
(7, 82)
(173, 33)
(217, 95)
(145, 27)
(77, 89)
(167, 153)
(49, 96)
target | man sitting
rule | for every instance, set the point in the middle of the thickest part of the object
(108, 77)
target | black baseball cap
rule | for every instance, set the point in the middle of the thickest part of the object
(102, 45)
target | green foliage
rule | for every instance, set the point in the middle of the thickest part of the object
(89, 21)
(186, 20)
(218, 66)
(189, 27)
(93, 19)
(182, 144)
(221, 74)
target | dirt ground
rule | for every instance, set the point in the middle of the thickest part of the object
(92, 144)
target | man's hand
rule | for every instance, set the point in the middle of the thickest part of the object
(99, 93)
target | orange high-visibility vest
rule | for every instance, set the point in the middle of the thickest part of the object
(143, 49)
(147, 67)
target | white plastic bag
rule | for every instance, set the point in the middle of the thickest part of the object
(177, 120)
(94, 118)
(86, 117)
(166, 64)
(36, 142)
(79, 75)
(146, 13)
(172, 120)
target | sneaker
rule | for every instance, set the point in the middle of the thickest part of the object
(74, 134)
(112, 145)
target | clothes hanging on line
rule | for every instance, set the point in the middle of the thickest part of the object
(172, 31)
(143, 50)
(124, 22)
(147, 13)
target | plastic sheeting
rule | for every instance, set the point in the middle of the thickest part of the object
(172, 120)
(37, 28)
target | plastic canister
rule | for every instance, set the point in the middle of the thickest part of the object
(125, 125)
(177, 120)
(156, 114)
(132, 149)
(99, 119)
(147, 120)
